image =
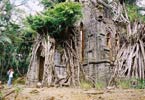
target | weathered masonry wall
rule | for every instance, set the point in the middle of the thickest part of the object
(96, 61)
(96, 49)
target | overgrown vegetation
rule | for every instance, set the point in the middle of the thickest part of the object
(15, 42)
(86, 85)
(134, 14)
(50, 3)
(57, 21)
(55, 26)
(9, 38)
(100, 85)
(131, 83)
(54, 21)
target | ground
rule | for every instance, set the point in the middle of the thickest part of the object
(72, 94)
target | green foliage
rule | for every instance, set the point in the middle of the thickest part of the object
(1, 95)
(130, 1)
(55, 20)
(10, 41)
(17, 89)
(125, 84)
(99, 85)
(85, 85)
(133, 13)
(47, 3)
(5, 13)
(132, 83)
(20, 80)
(4, 39)
(89, 85)
(140, 84)
(22, 53)
(50, 3)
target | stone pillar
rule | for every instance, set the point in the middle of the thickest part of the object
(97, 63)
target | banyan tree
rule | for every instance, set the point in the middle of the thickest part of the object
(130, 60)
(55, 53)
(67, 50)
(65, 55)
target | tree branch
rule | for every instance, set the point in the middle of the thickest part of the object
(104, 4)
(141, 8)
(2, 4)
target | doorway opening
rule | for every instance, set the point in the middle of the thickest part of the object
(41, 59)
(41, 68)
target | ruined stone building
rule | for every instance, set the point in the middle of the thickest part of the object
(98, 46)
(100, 37)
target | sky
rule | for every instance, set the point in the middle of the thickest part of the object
(25, 7)
(29, 6)
(141, 3)
(33, 6)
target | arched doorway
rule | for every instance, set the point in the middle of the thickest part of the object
(41, 68)
(40, 59)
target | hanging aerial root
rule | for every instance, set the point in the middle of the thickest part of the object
(130, 60)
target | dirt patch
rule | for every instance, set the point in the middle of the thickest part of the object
(77, 94)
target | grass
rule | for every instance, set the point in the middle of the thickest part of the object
(124, 84)
(140, 84)
(1, 95)
(89, 85)
(19, 80)
(85, 85)
(132, 83)
(99, 85)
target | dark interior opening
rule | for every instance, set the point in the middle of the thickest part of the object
(41, 60)
(41, 68)
(108, 36)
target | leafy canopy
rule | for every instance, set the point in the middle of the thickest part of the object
(50, 3)
(10, 39)
(134, 11)
(131, 2)
(55, 20)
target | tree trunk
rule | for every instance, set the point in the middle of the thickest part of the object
(95, 56)
(32, 74)
(42, 48)
(49, 70)
(45, 48)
